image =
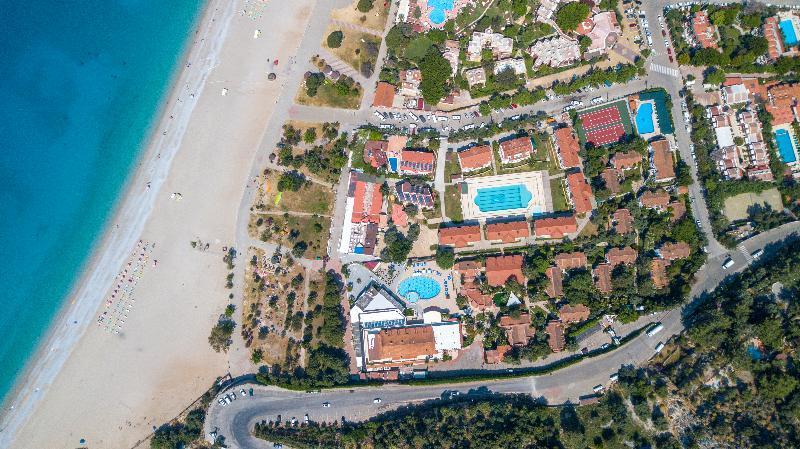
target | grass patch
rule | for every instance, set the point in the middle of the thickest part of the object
(288, 230)
(451, 167)
(357, 48)
(452, 203)
(311, 198)
(418, 48)
(736, 206)
(560, 203)
(329, 96)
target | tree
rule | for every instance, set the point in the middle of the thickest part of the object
(310, 135)
(445, 257)
(365, 5)
(220, 338)
(291, 181)
(435, 73)
(313, 81)
(569, 16)
(335, 39)
(714, 75)
(585, 42)
(506, 78)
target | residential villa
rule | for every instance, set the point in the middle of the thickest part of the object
(450, 53)
(475, 76)
(662, 162)
(602, 278)
(625, 160)
(415, 161)
(674, 251)
(555, 284)
(604, 31)
(507, 232)
(409, 82)
(384, 95)
(499, 269)
(363, 207)
(515, 64)
(569, 314)
(518, 330)
(460, 236)
(419, 195)
(516, 150)
(622, 221)
(375, 153)
(555, 334)
(658, 200)
(555, 228)
(501, 46)
(703, 31)
(580, 192)
(475, 158)
(557, 51)
(625, 255)
(568, 147)
(571, 261)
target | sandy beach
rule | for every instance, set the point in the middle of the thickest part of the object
(110, 384)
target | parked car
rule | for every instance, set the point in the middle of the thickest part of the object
(376, 401)
(326, 405)
(244, 393)
(598, 389)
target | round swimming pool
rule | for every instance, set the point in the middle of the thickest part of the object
(418, 287)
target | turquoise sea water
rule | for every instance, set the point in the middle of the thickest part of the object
(82, 82)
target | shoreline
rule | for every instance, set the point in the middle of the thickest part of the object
(126, 221)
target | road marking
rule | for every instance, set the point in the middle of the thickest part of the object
(746, 253)
(665, 70)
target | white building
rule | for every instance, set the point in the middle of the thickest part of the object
(501, 46)
(515, 64)
(376, 308)
(558, 51)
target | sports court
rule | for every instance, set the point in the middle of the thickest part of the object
(605, 124)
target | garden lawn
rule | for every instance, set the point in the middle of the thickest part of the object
(452, 203)
(328, 95)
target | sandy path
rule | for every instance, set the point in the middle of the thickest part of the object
(112, 389)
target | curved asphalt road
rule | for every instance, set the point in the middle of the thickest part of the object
(235, 421)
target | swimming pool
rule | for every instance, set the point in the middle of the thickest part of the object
(789, 36)
(418, 287)
(515, 196)
(644, 118)
(785, 146)
(437, 14)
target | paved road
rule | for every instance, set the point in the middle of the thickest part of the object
(235, 421)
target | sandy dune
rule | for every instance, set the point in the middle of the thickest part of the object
(111, 389)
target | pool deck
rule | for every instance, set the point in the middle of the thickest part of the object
(537, 183)
(429, 269)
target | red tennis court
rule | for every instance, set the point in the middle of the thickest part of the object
(601, 117)
(605, 135)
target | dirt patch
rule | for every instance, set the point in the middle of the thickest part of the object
(358, 48)
(736, 206)
(374, 19)
(312, 198)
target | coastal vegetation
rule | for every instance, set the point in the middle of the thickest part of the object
(318, 90)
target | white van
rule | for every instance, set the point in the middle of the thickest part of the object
(655, 329)
(728, 263)
(659, 347)
(757, 254)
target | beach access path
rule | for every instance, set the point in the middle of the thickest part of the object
(112, 389)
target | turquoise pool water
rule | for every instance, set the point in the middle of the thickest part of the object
(644, 118)
(785, 146)
(490, 199)
(789, 36)
(418, 287)
(437, 15)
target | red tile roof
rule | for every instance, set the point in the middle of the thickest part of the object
(703, 30)
(625, 160)
(602, 278)
(518, 330)
(625, 255)
(384, 95)
(500, 268)
(459, 236)
(493, 356)
(375, 153)
(399, 216)
(654, 200)
(569, 261)
(403, 343)
(581, 192)
(611, 178)
(508, 232)
(568, 147)
(418, 162)
(555, 334)
(674, 251)
(555, 228)
(367, 202)
(662, 160)
(516, 150)
(573, 314)
(475, 158)
(623, 221)
(554, 282)
(772, 33)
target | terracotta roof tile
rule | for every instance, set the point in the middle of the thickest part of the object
(508, 232)
(569, 261)
(500, 268)
(459, 236)
(475, 158)
(555, 228)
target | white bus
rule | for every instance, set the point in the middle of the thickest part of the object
(655, 329)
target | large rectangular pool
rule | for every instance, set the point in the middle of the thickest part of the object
(644, 119)
(785, 146)
(491, 199)
(789, 36)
